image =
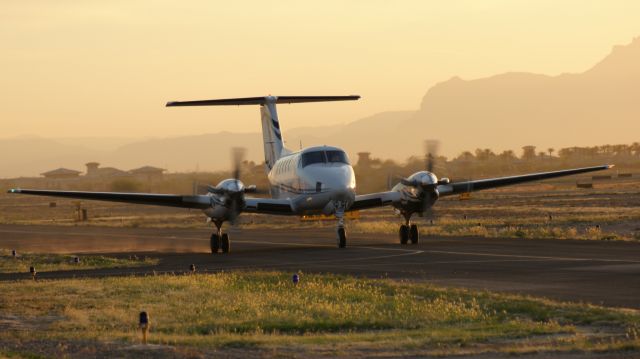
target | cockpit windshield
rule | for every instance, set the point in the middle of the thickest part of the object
(333, 156)
(337, 156)
(310, 158)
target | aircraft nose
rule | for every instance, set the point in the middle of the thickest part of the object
(337, 180)
(343, 185)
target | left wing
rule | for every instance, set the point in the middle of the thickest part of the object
(252, 205)
(169, 200)
(469, 186)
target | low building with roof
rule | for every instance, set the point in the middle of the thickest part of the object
(94, 170)
(148, 172)
(61, 173)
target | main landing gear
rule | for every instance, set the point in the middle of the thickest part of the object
(409, 232)
(220, 241)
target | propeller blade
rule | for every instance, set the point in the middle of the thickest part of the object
(233, 215)
(431, 152)
(237, 156)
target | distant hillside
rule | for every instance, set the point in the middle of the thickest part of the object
(601, 105)
(506, 111)
(30, 156)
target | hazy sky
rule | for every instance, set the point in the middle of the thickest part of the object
(106, 68)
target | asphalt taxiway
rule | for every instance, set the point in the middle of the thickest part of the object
(599, 272)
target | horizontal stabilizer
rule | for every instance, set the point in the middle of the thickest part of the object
(262, 100)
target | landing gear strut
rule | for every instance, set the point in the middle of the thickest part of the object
(341, 232)
(220, 241)
(409, 232)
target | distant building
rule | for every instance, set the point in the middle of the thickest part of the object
(528, 152)
(364, 158)
(112, 172)
(148, 172)
(61, 173)
(94, 170)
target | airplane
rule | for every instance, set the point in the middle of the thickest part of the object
(314, 180)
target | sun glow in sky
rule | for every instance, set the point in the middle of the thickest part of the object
(106, 68)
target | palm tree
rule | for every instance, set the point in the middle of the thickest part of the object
(635, 147)
(550, 150)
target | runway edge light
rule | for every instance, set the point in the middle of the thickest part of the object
(144, 326)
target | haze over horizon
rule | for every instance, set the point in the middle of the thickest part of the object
(92, 68)
(94, 76)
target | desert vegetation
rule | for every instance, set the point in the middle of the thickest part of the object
(339, 314)
(42, 262)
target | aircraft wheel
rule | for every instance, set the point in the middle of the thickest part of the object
(225, 243)
(414, 235)
(215, 243)
(342, 238)
(404, 234)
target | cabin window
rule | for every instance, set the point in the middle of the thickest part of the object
(310, 158)
(337, 156)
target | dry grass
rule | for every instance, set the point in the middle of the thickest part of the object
(264, 310)
(56, 262)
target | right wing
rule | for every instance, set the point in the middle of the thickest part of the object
(169, 200)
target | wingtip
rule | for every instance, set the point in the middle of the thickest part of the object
(13, 190)
(610, 166)
(170, 103)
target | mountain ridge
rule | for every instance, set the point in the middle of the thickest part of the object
(503, 111)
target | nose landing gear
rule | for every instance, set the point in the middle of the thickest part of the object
(341, 232)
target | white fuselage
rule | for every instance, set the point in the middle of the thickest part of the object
(315, 179)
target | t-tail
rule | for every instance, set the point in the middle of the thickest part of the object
(271, 133)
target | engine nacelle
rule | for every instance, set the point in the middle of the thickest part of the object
(230, 185)
(423, 178)
(227, 200)
(420, 190)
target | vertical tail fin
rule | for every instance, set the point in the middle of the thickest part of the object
(271, 134)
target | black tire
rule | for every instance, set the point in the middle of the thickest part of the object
(225, 243)
(342, 238)
(414, 234)
(215, 243)
(404, 234)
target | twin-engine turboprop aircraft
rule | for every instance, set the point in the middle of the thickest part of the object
(311, 181)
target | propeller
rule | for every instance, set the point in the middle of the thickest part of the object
(236, 197)
(230, 192)
(237, 156)
(426, 181)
